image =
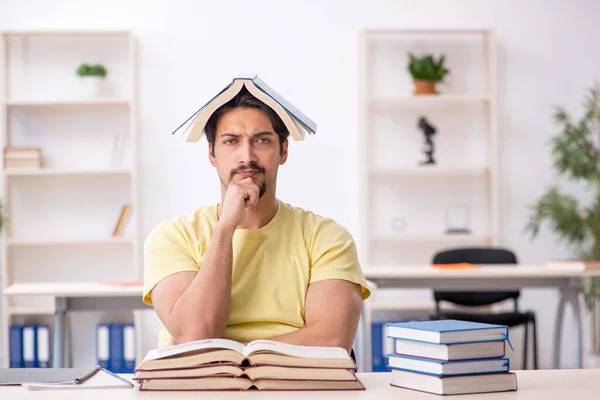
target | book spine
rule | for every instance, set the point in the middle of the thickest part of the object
(29, 346)
(377, 360)
(116, 348)
(129, 348)
(102, 345)
(16, 346)
(43, 346)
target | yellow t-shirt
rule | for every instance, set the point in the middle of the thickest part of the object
(272, 266)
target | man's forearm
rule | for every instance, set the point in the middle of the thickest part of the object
(202, 311)
(317, 335)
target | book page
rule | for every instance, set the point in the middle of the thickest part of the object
(295, 350)
(206, 344)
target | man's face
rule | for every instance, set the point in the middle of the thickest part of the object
(246, 145)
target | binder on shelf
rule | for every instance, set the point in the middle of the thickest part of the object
(43, 346)
(378, 363)
(30, 346)
(102, 345)
(128, 349)
(115, 363)
(16, 346)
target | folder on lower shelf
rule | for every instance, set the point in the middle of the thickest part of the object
(16, 346)
(43, 346)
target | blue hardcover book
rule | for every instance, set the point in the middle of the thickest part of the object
(449, 352)
(115, 363)
(448, 331)
(448, 368)
(16, 346)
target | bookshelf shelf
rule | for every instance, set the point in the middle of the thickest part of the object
(431, 238)
(70, 242)
(31, 310)
(70, 102)
(61, 216)
(429, 100)
(73, 33)
(430, 171)
(66, 172)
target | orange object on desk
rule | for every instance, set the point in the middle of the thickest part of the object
(455, 266)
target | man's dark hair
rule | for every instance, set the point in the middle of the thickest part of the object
(245, 100)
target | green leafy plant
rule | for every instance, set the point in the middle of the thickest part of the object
(576, 156)
(92, 70)
(426, 68)
(3, 217)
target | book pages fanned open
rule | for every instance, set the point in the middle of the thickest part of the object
(221, 364)
(295, 121)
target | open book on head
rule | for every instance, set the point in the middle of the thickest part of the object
(295, 121)
(258, 352)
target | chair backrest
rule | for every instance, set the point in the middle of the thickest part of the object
(475, 255)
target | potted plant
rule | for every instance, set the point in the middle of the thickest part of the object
(92, 77)
(576, 154)
(426, 72)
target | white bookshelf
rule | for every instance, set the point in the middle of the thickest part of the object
(392, 183)
(62, 216)
(69, 102)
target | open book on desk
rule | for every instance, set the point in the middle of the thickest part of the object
(258, 352)
(62, 378)
(221, 364)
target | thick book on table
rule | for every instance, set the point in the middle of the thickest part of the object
(449, 352)
(451, 385)
(447, 331)
(448, 368)
(221, 364)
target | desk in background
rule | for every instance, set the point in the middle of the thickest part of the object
(79, 297)
(497, 277)
(580, 384)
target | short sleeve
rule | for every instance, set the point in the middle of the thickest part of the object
(166, 252)
(334, 256)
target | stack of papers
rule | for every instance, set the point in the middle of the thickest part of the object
(62, 378)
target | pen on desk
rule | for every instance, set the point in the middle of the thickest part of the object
(88, 376)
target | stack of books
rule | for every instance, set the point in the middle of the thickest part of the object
(221, 364)
(22, 157)
(448, 357)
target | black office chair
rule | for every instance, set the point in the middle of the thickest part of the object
(484, 298)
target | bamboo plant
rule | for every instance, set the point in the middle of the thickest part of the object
(576, 157)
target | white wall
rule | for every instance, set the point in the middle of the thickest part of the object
(307, 50)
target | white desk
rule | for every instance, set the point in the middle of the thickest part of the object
(69, 297)
(498, 277)
(533, 385)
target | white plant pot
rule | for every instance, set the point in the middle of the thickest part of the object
(91, 86)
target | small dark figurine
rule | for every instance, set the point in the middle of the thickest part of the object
(428, 147)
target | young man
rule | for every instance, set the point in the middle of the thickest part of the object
(253, 267)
